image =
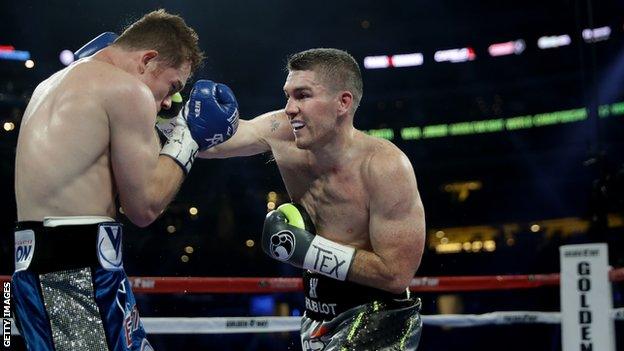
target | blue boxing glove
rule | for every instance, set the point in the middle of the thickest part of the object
(209, 118)
(288, 236)
(96, 44)
(212, 113)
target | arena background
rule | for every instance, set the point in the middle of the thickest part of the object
(515, 155)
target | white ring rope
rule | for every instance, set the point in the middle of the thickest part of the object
(231, 325)
(221, 325)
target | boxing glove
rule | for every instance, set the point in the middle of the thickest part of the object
(165, 121)
(180, 145)
(286, 237)
(209, 118)
(176, 106)
(96, 44)
(212, 113)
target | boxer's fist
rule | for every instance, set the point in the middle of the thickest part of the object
(284, 236)
(167, 120)
(180, 145)
(211, 113)
(288, 236)
(176, 106)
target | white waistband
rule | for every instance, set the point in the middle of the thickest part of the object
(74, 220)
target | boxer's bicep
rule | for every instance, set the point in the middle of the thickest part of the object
(134, 150)
(397, 220)
(253, 136)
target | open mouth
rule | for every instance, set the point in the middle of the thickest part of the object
(297, 125)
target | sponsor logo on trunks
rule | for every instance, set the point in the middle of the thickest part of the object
(131, 324)
(320, 307)
(313, 345)
(145, 346)
(282, 245)
(131, 319)
(24, 249)
(109, 246)
(313, 284)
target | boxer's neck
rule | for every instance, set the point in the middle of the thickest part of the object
(335, 153)
(128, 61)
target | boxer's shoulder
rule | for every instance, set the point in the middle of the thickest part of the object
(375, 150)
(118, 92)
(105, 79)
(383, 160)
(95, 88)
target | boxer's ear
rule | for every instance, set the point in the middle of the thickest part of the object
(345, 102)
(147, 57)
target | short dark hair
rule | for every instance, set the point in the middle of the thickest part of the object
(337, 67)
(168, 34)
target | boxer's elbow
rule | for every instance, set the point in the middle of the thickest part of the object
(400, 276)
(399, 283)
(142, 217)
(392, 280)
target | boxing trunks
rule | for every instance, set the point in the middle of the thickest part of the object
(70, 288)
(341, 316)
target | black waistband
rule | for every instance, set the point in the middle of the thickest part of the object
(62, 247)
(327, 297)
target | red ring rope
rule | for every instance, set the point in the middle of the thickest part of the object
(168, 285)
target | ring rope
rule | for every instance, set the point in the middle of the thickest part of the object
(232, 285)
(232, 325)
(219, 325)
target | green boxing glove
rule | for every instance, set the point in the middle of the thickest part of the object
(165, 121)
(180, 145)
(288, 236)
(176, 106)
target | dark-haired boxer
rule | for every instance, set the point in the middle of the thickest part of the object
(360, 193)
(87, 136)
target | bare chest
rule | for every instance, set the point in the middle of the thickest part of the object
(337, 200)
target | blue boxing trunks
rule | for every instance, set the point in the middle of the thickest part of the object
(70, 288)
(344, 316)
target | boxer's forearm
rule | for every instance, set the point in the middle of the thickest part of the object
(246, 142)
(159, 192)
(371, 270)
(231, 149)
(168, 179)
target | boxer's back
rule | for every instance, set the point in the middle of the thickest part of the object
(62, 163)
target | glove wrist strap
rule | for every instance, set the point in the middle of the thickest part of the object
(182, 148)
(329, 258)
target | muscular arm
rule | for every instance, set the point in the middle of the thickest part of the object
(397, 226)
(146, 181)
(253, 136)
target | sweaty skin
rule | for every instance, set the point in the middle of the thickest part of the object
(359, 190)
(88, 135)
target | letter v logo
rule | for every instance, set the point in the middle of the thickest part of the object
(109, 246)
(114, 237)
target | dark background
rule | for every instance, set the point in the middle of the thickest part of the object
(571, 171)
